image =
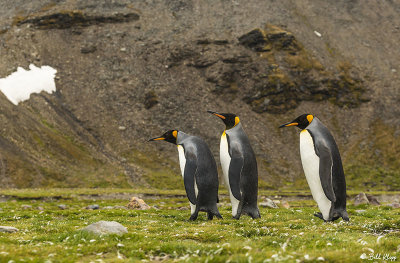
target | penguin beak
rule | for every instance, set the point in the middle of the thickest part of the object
(288, 124)
(217, 114)
(156, 139)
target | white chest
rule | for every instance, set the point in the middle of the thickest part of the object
(225, 162)
(310, 162)
(182, 163)
(224, 157)
(182, 159)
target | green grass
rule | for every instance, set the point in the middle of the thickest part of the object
(166, 234)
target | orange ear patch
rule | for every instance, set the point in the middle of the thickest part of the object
(175, 134)
(310, 118)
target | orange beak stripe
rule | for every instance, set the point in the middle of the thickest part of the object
(159, 139)
(219, 115)
(292, 124)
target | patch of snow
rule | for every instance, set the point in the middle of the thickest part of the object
(19, 86)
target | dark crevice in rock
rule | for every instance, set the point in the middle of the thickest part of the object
(150, 99)
(69, 19)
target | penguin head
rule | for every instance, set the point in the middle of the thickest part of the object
(230, 119)
(301, 122)
(169, 136)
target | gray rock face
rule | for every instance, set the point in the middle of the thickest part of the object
(268, 203)
(106, 227)
(8, 229)
(168, 57)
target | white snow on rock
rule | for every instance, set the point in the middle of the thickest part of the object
(21, 84)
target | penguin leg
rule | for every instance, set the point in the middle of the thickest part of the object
(239, 211)
(195, 214)
(210, 215)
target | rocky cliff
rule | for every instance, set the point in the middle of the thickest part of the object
(129, 70)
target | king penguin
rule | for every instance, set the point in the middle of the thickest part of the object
(239, 167)
(199, 172)
(322, 167)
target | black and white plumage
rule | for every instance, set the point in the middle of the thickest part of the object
(199, 172)
(239, 167)
(322, 167)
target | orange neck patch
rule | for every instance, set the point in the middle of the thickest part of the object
(310, 118)
(175, 134)
(237, 120)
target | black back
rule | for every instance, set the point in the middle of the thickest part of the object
(324, 141)
(241, 152)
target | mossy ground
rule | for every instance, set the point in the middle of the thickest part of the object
(165, 233)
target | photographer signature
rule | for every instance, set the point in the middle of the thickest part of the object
(378, 256)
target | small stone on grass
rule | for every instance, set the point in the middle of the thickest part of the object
(106, 227)
(93, 207)
(137, 203)
(8, 229)
(62, 207)
(268, 203)
(361, 199)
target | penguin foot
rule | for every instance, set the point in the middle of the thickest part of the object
(319, 215)
(254, 214)
(210, 216)
(345, 216)
(193, 217)
(237, 217)
(218, 215)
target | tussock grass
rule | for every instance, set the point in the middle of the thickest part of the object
(166, 234)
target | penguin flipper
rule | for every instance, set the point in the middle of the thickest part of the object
(325, 172)
(235, 169)
(189, 179)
